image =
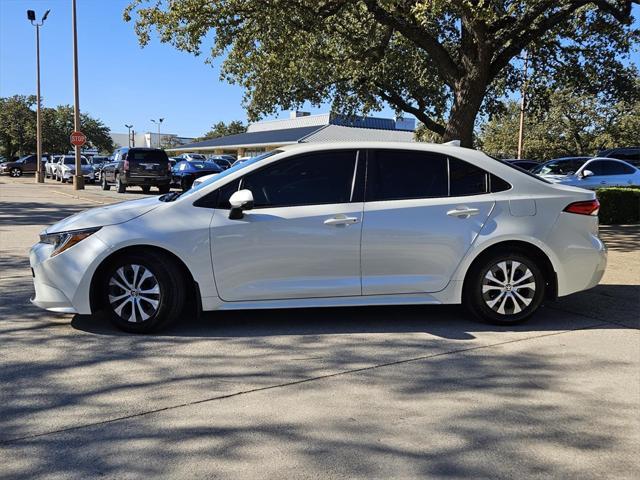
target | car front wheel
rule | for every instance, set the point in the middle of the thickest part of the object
(15, 172)
(143, 292)
(504, 289)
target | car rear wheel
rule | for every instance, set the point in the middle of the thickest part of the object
(504, 289)
(15, 172)
(146, 188)
(143, 292)
(163, 188)
(120, 187)
(104, 184)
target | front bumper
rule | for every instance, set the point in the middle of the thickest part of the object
(68, 175)
(62, 283)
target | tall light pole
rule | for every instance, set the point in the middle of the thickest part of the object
(158, 122)
(31, 15)
(523, 99)
(129, 127)
(78, 179)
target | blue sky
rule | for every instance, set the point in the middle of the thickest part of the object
(119, 81)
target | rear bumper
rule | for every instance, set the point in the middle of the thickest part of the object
(152, 181)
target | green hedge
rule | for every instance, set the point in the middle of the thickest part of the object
(619, 205)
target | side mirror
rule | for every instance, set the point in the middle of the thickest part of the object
(240, 201)
(587, 173)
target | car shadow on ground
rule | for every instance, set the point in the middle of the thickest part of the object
(445, 321)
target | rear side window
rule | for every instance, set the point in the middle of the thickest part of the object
(405, 174)
(466, 179)
(617, 168)
(310, 179)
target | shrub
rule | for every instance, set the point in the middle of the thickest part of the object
(619, 205)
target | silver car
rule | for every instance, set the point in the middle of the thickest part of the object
(600, 172)
(66, 167)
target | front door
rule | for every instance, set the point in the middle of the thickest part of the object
(418, 225)
(301, 240)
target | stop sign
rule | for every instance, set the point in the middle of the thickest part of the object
(78, 139)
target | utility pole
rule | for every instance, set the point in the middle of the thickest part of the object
(78, 179)
(523, 96)
(158, 122)
(129, 127)
(31, 15)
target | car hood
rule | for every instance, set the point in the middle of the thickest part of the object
(103, 216)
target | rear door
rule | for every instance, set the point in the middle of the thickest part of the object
(148, 163)
(418, 225)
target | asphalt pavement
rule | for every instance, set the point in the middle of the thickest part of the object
(378, 392)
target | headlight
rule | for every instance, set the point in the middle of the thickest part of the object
(63, 240)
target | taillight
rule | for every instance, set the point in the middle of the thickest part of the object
(590, 207)
(126, 165)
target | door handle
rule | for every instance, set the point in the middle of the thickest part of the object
(341, 220)
(463, 212)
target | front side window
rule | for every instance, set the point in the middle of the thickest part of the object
(599, 167)
(406, 174)
(308, 179)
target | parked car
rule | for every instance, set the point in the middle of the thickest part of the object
(174, 160)
(65, 169)
(193, 156)
(143, 167)
(26, 164)
(522, 163)
(97, 162)
(225, 161)
(50, 166)
(628, 154)
(303, 226)
(560, 166)
(602, 172)
(185, 172)
(241, 160)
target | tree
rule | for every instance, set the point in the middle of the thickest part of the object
(435, 59)
(573, 125)
(58, 123)
(221, 129)
(17, 125)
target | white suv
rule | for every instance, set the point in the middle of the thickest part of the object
(315, 225)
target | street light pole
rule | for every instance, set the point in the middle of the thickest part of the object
(31, 15)
(129, 127)
(78, 179)
(523, 96)
(158, 122)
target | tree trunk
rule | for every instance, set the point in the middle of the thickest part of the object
(468, 97)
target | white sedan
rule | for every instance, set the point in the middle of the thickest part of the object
(600, 173)
(341, 224)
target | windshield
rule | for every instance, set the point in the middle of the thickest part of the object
(72, 161)
(559, 167)
(229, 171)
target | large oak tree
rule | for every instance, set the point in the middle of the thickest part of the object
(443, 61)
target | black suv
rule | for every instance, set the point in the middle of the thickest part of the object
(143, 167)
(628, 154)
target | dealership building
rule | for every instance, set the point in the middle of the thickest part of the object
(301, 127)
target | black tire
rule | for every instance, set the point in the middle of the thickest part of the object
(166, 274)
(120, 187)
(507, 300)
(185, 184)
(63, 180)
(163, 188)
(105, 186)
(145, 188)
(15, 172)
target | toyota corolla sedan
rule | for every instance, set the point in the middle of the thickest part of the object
(329, 225)
(601, 173)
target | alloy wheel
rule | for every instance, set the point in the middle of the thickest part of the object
(134, 293)
(15, 172)
(508, 287)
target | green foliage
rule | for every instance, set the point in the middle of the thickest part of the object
(221, 129)
(18, 128)
(573, 124)
(17, 125)
(619, 205)
(442, 61)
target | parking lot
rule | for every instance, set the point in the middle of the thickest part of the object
(377, 392)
